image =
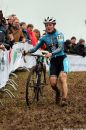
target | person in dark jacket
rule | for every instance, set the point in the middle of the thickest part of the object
(73, 44)
(67, 46)
(80, 48)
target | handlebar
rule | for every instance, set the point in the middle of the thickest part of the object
(37, 55)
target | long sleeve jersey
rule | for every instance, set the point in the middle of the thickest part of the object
(54, 42)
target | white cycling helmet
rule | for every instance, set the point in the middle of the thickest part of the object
(49, 20)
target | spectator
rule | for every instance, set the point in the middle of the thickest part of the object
(67, 46)
(73, 44)
(37, 34)
(73, 40)
(14, 16)
(4, 38)
(31, 34)
(80, 48)
(10, 20)
(24, 30)
(44, 47)
(16, 32)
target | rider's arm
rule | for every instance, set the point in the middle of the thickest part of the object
(38, 45)
(60, 44)
(60, 48)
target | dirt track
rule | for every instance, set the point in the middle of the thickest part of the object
(45, 115)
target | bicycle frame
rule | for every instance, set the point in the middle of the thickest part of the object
(36, 81)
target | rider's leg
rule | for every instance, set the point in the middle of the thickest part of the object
(63, 80)
(53, 74)
(53, 82)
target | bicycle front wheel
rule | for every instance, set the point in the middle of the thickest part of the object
(30, 87)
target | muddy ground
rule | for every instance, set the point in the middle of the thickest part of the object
(45, 115)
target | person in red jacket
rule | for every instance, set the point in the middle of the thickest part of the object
(37, 34)
(31, 34)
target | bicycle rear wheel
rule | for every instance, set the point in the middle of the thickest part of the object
(30, 87)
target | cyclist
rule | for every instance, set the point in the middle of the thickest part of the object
(54, 41)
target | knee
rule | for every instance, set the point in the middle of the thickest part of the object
(63, 77)
(53, 82)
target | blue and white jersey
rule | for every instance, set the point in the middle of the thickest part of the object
(54, 42)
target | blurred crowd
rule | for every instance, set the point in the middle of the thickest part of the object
(73, 47)
(13, 31)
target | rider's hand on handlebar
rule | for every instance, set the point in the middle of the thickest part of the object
(48, 55)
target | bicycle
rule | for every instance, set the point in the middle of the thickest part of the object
(36, 80)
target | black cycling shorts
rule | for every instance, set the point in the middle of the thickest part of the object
(58, 64)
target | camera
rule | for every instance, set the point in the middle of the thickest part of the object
(2, 19)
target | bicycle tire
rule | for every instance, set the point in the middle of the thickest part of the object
(30, 85)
